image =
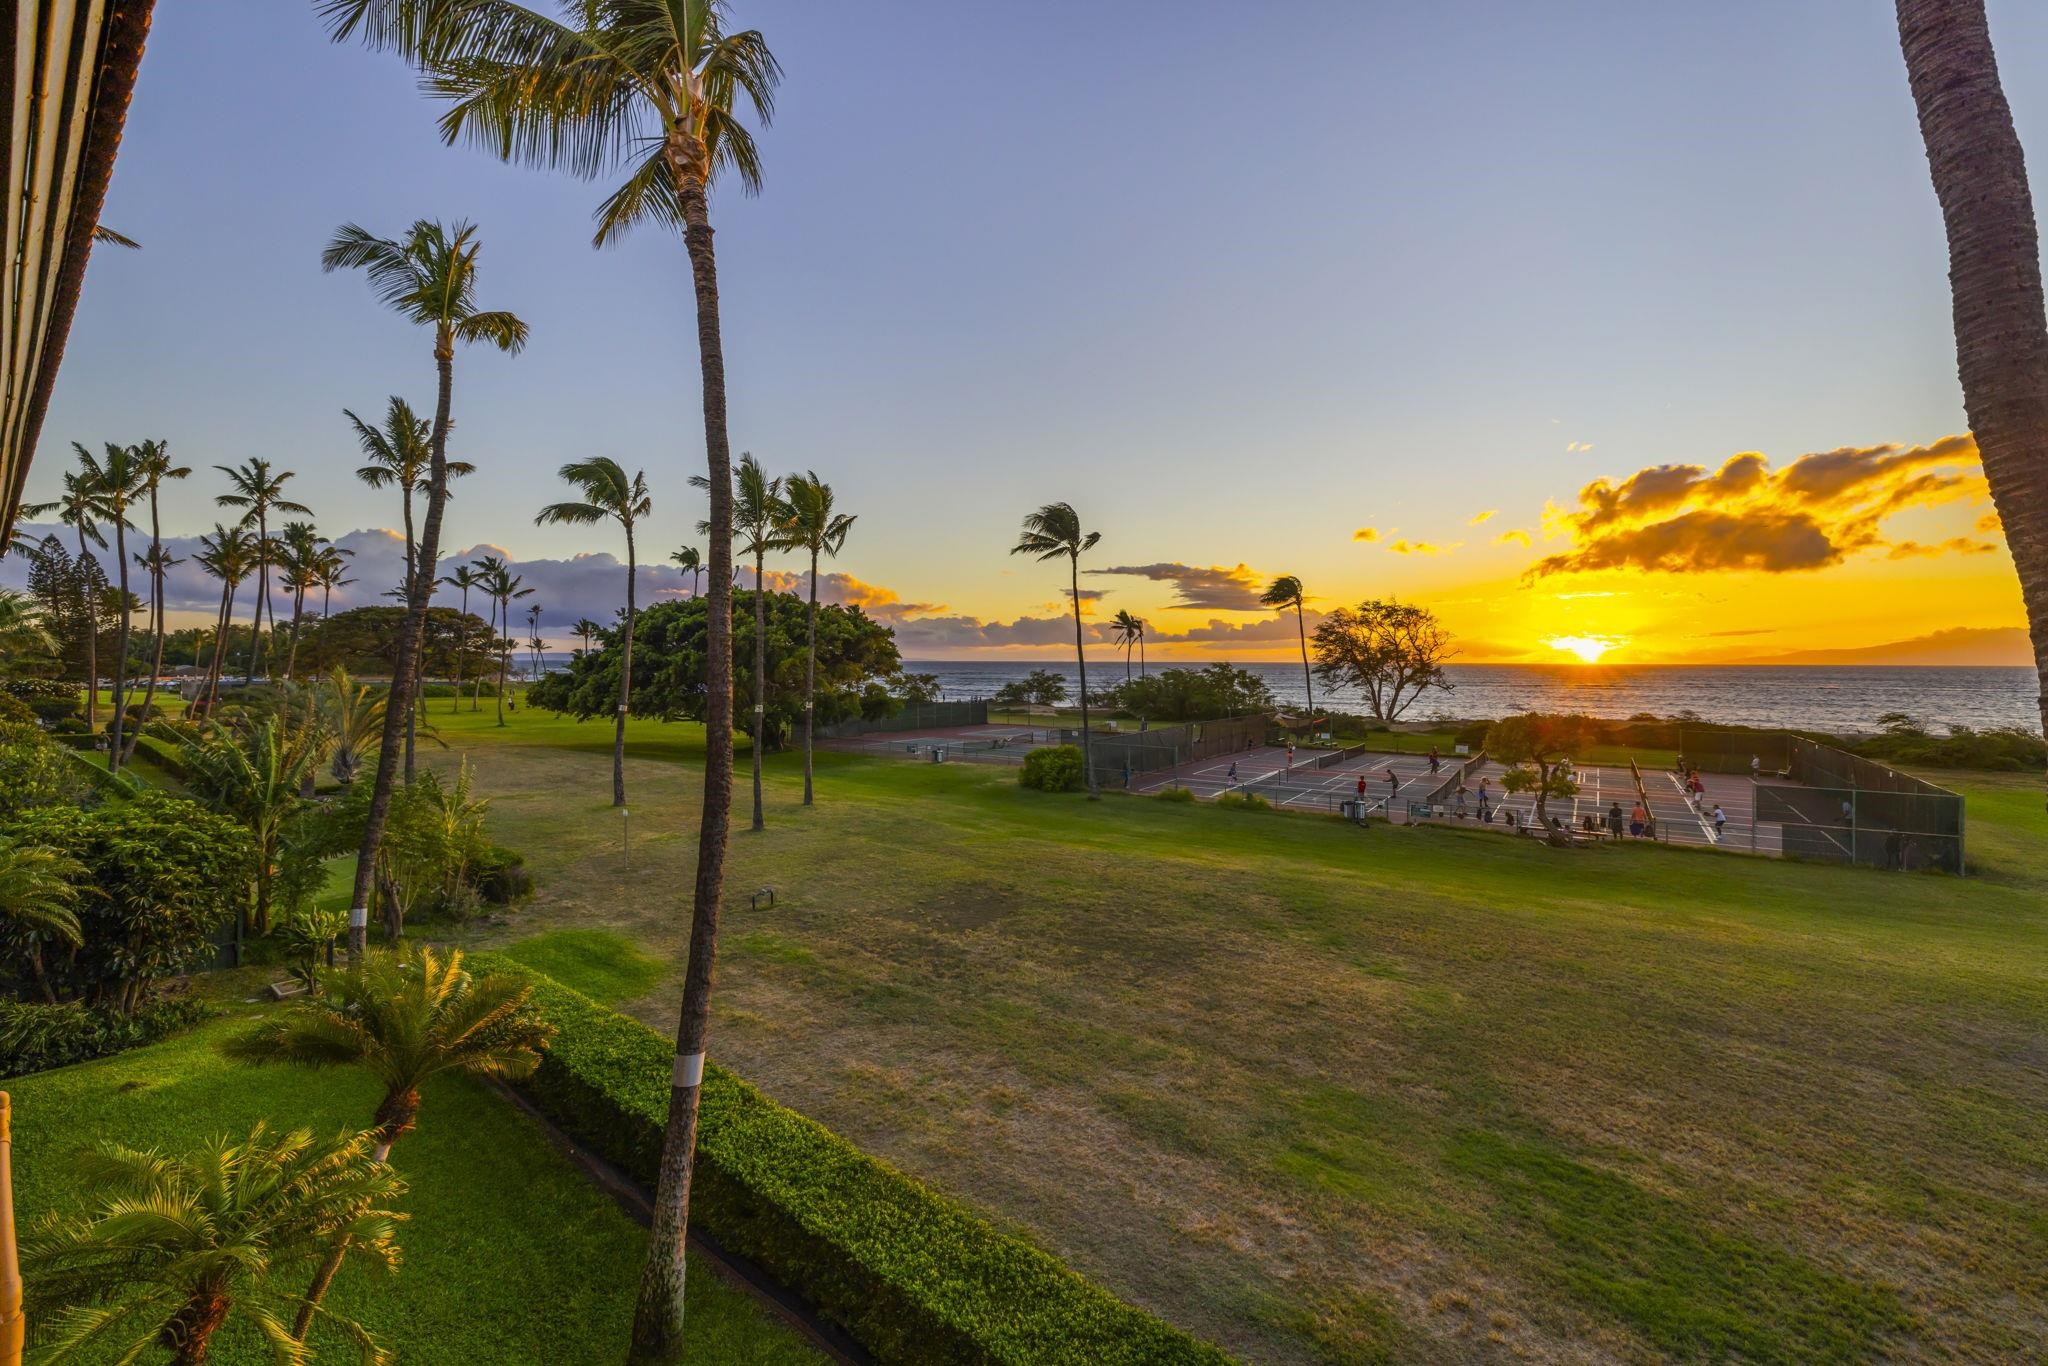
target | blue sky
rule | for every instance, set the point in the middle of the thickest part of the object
(1233, 281)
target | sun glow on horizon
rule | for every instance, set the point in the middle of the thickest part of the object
(1589, 649)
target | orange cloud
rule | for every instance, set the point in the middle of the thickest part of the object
(1811, 514)
(1368, 534)
(1512, 538)
(1422, 548)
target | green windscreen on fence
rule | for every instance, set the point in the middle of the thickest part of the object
(1121, 757)
(1836, 806)
(913, 716)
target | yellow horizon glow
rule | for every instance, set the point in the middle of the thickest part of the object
(1589, 649)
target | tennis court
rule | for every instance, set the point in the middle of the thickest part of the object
(973, 743)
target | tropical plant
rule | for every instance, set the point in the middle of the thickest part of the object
(811, 525)
(428, 277)
(586, 631)
(759, 514)
(355, 718)
(431, 849)
(153, 458)
(166, 1250)
(300, 552)
(39, 890)
(1052, 532)
(1039, 688)
(25, 641)
(662, 81)
(258, 489)
(1538, 750)
(1980, 178)
(608, 494)
(404, 1016)
(228, 555)
(505, 588)
(1286, 592)
(691, 563)
(254, 774)
(1128, 631)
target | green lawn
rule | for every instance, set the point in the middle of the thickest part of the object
(1319, 1094)
(510, 1255)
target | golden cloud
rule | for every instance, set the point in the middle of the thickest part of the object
(1813, 513)
(1368, 534)
(1482, 518)
(1512, 538)
(1422, 547)
(1219, 588)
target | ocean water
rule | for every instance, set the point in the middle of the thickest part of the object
(1840, 700)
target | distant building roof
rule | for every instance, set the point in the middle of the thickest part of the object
(67, 68)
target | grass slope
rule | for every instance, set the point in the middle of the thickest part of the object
(510, 1254)
(1319, 1094)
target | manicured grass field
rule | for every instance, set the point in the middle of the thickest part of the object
(510, 1253)
(1320, 1094)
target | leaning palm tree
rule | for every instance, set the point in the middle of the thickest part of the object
(428, 277)
(259, 491)
(691, 563)
(661, 80)
(404, 1017)
(227, 555)
(154, 460)
(1994, 255)
(1127, 631)
(608, 495)
(168, 1249)
(812, 526)
(39, 890)
(1286, 592)
(82, 509)
(1049, 533)
(758, 515)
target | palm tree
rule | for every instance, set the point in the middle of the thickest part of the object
(464, 578)
(170, 1248)
(1127, 631)
(812, 526)
(123, 483)
(154, 459)
(488, 569)
(609, 494)
(1286, 592)
(758, 513)
(663, 79)
(430, 278)
(692, 564)
(259, 492)
(39, 892)
(534, 644)
(354, 717)
(300, 548)
(254, 774)
(82, 509)
(404, 1017)
(1980, 177)
(1052, 531)
(330, 571)
(228, 556)
(586, 630)
(505, 587)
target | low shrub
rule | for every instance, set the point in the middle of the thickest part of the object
(499, 876)
(15, 712)
(49, 699)
(35, 1037)
(1055, 768)
(911, 1275)
(1243, 801)
(1175, 794)
(36, 773)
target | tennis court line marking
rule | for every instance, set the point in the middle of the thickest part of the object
(1706, 826)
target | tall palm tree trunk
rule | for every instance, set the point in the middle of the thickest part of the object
(220, 644)
(476, 693)
(262, 594)
(92, 644)
(398, 705)
(1081, 662)
(412, 570)
(461, 639)
(625, 682)
(1141, 654)
(1307, 679)
(760, 683)
(1980, 177)
(120, 648)
(810, 673)
(504, 655)
(658, 1313)
(291, 659)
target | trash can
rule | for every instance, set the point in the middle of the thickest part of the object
(938, 754)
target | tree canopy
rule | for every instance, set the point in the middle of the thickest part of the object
(1392, 652)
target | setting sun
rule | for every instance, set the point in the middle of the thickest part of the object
(1587, 648)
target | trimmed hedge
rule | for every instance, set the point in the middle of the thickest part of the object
(910, 1274)
(35, 1037)
(1052, 768)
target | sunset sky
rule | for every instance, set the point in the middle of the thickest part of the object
(1597, 327)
